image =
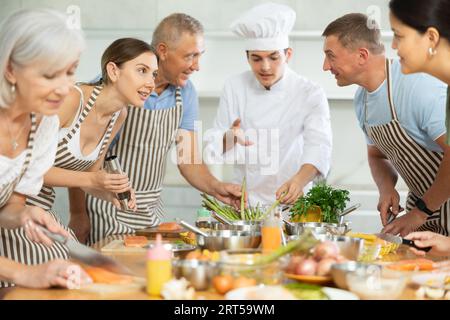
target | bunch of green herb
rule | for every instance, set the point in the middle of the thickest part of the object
(331, 202)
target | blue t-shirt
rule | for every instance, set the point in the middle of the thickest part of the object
(419, 101)
(167, 100)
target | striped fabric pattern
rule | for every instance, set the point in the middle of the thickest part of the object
(66, 159)
(142, 150)
(417, 165)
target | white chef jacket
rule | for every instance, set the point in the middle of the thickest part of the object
(288, 124)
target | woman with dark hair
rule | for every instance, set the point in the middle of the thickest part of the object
(88, 126)
(422, 36)
(422, 40)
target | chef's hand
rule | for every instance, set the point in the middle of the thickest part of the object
(235, 135)
(407, 223)
(440, 244)
(293, 189)
(228, 193)
(33, 216)
(59, 273)
(389, 203)
(112, 182)
(132, 206)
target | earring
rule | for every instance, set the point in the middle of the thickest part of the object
(432, 52)
(13, 88)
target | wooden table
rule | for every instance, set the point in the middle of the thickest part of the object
(136, 263)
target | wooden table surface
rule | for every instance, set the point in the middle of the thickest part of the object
(136, 263)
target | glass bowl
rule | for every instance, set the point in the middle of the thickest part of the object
(376, 283)
(244, 264)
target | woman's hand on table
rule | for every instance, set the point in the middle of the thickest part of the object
(440, 244)
(32, 217)
(56, 273)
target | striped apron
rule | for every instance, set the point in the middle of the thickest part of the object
(65, 159)
(16, 245)
(417, 165)
(142, 150)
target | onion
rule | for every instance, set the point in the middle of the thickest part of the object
(326, 249)
(324, 266)
(306, 267)
(293, 263)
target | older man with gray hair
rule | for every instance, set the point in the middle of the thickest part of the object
(168, 116)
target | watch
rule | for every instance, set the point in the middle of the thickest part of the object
(421, 205)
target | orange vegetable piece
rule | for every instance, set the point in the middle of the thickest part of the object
(412, 265)
(135, 241)
(100, 275)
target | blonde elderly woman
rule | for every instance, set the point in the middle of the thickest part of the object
(38, 57)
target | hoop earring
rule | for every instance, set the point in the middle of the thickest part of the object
(431, 51)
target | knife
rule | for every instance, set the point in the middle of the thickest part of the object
(399, 240)
(87, 255)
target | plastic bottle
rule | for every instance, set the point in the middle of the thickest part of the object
(271, 233)
(203, 215)
(159, 267)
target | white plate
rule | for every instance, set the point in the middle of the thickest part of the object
(332, 293)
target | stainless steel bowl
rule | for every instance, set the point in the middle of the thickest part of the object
(198, 273)
(238, 225)
(218, 240)
(339, 271)
(317, 228)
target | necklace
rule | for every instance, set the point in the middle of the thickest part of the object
(13, 141)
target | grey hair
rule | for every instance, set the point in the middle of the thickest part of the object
(172, 27)
(41, 35)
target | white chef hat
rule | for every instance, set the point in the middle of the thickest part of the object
(265, 27)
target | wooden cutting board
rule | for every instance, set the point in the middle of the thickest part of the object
(118, 246)
(152, 232)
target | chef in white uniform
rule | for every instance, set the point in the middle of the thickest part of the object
(272, 124)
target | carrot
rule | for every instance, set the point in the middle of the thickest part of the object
(412, 265)
(100, 275)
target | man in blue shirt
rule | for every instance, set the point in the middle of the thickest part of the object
(179, 52)
(403, 117)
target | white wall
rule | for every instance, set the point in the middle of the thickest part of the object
(104, 21)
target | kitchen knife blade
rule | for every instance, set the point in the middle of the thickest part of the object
(399, 240)
(87, 255)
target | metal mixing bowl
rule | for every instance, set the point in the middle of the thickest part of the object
(218, 240)
(238, 225)
(199, 273)
(317, 228)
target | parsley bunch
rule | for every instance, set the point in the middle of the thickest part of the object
(331, 202)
